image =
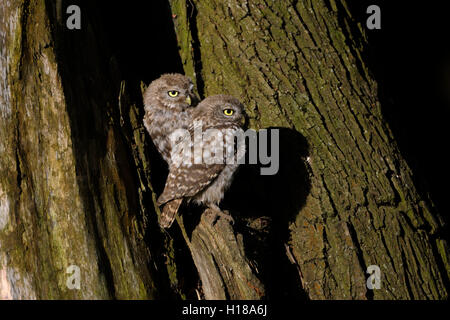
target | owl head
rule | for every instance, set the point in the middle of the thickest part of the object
(221, 110)
(173, 91)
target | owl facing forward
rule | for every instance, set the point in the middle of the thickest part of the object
(205, 178)
(168, 102)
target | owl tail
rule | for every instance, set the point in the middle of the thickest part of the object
(169, 212)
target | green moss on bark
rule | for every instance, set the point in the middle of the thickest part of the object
(295, 65)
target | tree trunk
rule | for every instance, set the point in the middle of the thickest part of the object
(79, 175)
(299, 65)
(74, 170)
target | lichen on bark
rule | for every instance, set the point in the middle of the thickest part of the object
(298, 65)
(71, 197)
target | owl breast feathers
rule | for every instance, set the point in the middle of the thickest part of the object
(168, 102)
(205, 181)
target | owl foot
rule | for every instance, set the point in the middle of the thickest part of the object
(225, 214)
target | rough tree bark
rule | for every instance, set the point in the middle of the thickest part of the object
(74, 173)
(300, 65)
(77, 168)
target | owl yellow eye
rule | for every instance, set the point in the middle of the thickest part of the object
(173, 93)
(228, 112)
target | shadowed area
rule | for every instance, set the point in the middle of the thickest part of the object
(265, 206)
(410, 60)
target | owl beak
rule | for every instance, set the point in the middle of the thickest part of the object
(188, 100)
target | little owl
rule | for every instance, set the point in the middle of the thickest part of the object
(167, 103)
(202, 180)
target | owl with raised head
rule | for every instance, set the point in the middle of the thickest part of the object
(168, 101)
(209, 174)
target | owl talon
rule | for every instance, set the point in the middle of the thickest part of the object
(225, 214)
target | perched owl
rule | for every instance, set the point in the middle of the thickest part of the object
(202, 180)
(167, 103)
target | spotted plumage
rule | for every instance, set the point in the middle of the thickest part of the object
(220, 118)
(168, 101)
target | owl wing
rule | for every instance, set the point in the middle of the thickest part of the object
(169, 213)
(186, 181)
